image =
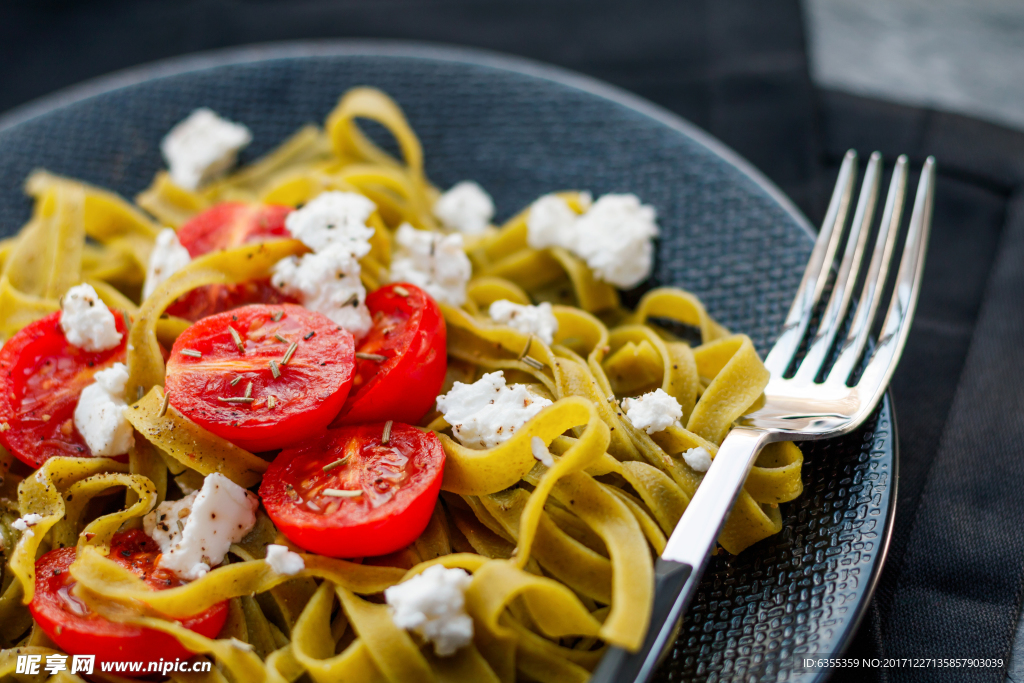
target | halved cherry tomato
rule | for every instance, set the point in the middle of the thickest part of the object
(213, 388)
(398, 483)
(226, 226)
(409, 332)
(77, 630)
(41, 377)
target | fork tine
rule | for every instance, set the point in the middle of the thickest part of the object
(817, 271)
(846, 278)
(874, 284)
(896, 326)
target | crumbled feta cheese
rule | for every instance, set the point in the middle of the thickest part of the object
(284, 561)
(194, 533)
(614, 236)
(29, 520)
(86, 320)
(166, 259)
(550, 223)
(433, 262)
(536, 320)
(540, 452)
(334, 218)
(653, 412)
(201, 147)
(486, 413)
(698, 459)
(99, 415)
(615, 239)
(327, 282)
(433, 605)
(466, 207)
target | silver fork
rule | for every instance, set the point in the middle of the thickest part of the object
(802, 407)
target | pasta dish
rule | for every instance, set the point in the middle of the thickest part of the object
(317, 417)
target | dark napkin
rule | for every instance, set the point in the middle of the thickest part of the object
(738, 68)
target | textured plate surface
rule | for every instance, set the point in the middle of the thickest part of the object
(521, 130)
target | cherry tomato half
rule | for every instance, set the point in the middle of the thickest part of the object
(235, 394)
(77, 630)
(41, 377)
(399, 483)
(409, 332)
(226, 226)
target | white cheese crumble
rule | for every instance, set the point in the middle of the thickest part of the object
(166, 259)
(486, 413)
(24, 523)
(284, 561)
(653, 412)
(614, 236)
(86, 320)
(334, 218)
(194, 533)
(327, 281)
(201, 147)
(466, 208)
(698, 459)
(433, 605)
(99, 415)
(550, 223)
(537, 320)
(540, 452)
(433, 262)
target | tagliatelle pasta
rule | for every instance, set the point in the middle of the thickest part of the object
(561, 556)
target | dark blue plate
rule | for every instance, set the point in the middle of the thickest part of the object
(522, 129)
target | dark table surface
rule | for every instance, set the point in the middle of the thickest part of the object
(952, 586)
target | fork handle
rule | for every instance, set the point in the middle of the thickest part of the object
(678, 570)
(671, 596)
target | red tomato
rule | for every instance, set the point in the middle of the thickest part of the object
(41, 377)
(399, 482)
(284, 410)
(409, 332)
(226, 226)
(76, 630)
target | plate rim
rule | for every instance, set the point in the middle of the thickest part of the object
(342, 47)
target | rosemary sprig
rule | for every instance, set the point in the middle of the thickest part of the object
(337, 463)
(289, 353)
(163, 406)
(238, 339)
(341, 493)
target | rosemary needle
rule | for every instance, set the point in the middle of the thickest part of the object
(238, 339)
(341, 493)
(289, 353)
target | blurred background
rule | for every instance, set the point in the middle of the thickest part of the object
(791, 86)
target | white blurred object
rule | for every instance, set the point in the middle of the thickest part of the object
(957, 55)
